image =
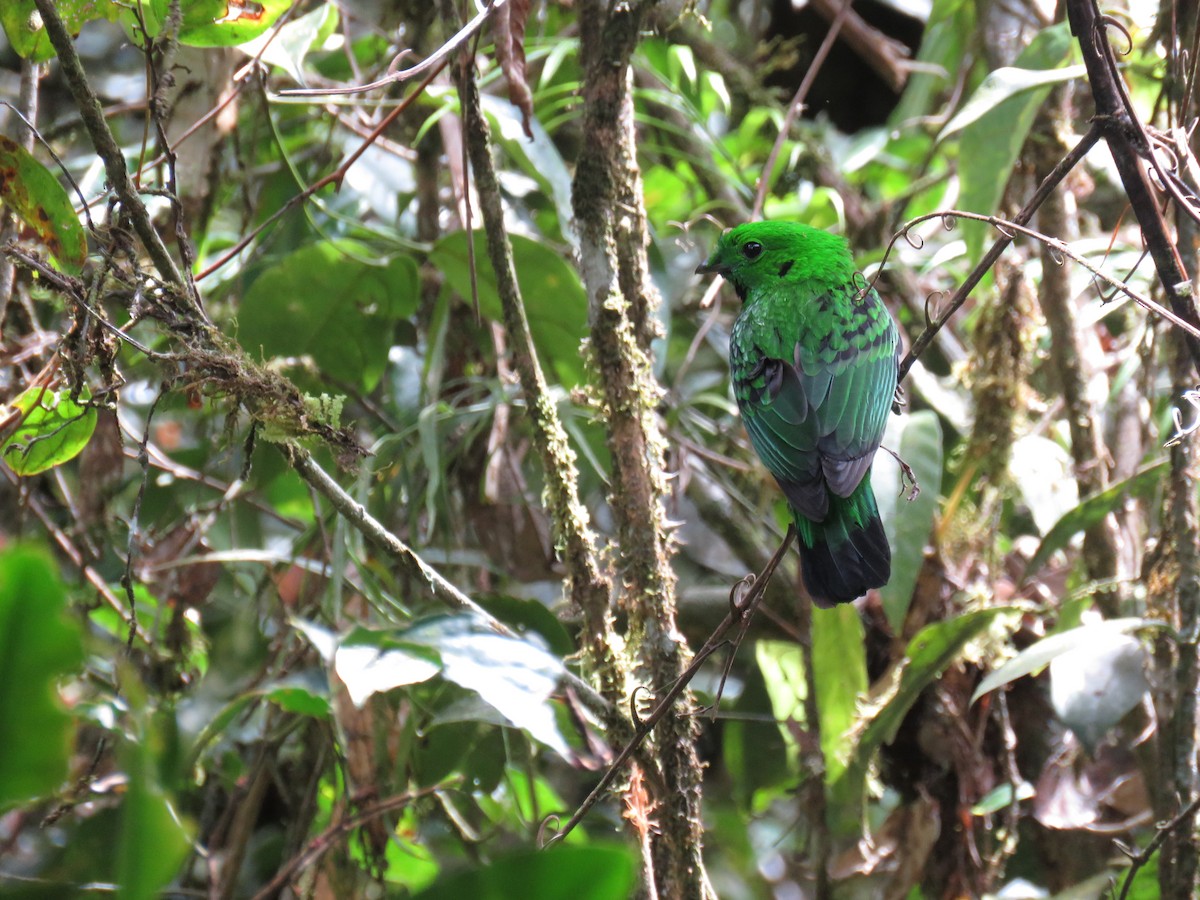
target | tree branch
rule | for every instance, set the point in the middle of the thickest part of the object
(113, 159)
(1127, 142)
(588, 587)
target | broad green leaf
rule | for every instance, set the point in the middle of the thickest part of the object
(930, 651)
(947, 33)
(782, 668)
(990, 144)
(753, 753)
(370, 662)
(561, 873)
(840, 673)
(153, 841)
(220, 23)
(38, 646)
(295, 40)
(23, 24)
(555, 301)
(516, 676)
(326, 302)
(54, 429)
(30, 191)
(1036, 656)
(1002, 83)
(1093, 509)
(918, 440)
(1001, 797)
(1045, 475)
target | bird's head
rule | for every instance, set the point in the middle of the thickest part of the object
(762, 253)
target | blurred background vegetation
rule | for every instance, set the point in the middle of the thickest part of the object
(212, 683)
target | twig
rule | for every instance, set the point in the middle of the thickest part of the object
(112, 157)
(588, 586)
(1004, 226)
(415, 567)
(1139, 859)
(94, 578)
(327, 839)
(797, 104)
(27, 103)
(433, 64)
(335, 177)
(1126, 139)
(741, 612)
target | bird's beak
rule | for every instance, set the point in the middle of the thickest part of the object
(710, 267)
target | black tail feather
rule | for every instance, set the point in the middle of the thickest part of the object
(844, 573)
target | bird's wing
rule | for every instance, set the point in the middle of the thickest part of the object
(851, 393)
(778, 415)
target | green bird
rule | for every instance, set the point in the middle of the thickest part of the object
(813, 358)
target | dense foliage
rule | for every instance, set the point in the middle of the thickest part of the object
(371, 472)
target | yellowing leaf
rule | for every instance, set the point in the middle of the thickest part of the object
(29, 190)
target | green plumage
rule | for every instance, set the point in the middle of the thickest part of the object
(813, 361)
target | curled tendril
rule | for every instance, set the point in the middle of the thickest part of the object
(551, 821)
(394, 65)
(1001, 227)
(1110, 22)
(633, 710)
(1057, 255)
(864, 287)
(737, 595)
(1181, 430)
(931, 302)
(949, 221)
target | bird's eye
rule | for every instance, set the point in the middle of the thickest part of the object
(752, 249)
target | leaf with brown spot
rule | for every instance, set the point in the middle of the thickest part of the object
(23, 25)
(508, 26)
(30, 191)
(227, 23)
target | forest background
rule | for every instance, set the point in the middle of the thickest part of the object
(375, 518)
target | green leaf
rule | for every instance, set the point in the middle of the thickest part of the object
(555, 301)
(34, 194)
(53, 429)
(562, 873)
(294, 41)
(1002, 83)
(918, 440)
(1036, 656)
(328, 302)
(25, 31)
(753, 753)
(38, 646)
(218, 23)
(840, 673)
(990, 144)
(516, 676)
(153, 841)
(370, 662)
(1001, 797)
(1092, 510)
(930, 651)
(782, 668)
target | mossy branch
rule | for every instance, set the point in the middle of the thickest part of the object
(588, 586)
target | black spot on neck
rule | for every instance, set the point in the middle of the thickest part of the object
(741, 291)
(786, 267)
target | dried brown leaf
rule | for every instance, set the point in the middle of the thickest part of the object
(508, 25)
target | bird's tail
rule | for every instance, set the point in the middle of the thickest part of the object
(845, 555)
